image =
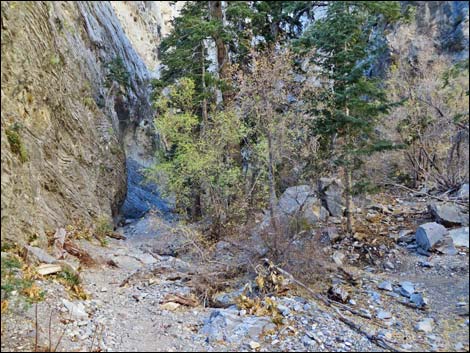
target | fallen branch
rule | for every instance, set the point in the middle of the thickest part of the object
(373, 338)
(180, 299)
(426, 194)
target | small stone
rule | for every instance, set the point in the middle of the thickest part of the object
(425, 325)
(76, 309)
(459, 346)
(462, 304)
(425, 264)
(170, 306)
(285, 311)
(386, 285)
(406, 346)
(254, 345)
(383, 315)
(388, 265)
(104, 289)
(338, 258)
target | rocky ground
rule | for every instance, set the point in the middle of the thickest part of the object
(147, 294)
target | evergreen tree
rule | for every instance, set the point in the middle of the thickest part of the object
(350, 103)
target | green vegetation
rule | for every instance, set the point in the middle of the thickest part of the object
(103, 228)
(18, 282)
(16, 145)
(116, 72)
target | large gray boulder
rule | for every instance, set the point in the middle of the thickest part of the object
(331, 193)
(429, 234)
(460, 236)
(449, 214)
(301, 201)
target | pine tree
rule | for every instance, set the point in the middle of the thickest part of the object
(351, 103)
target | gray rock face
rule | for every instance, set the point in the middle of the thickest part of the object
(226, 325)
(449, 214)
(301, 201)
(460, 236)
(331, 193)
(429, 234)
(142, 196)
(69, 122)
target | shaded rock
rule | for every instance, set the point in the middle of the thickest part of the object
(449, 214)
(418, 300)
(59, 240)
(338, 293)
(226, 325)
(460, 236)
(39, 255)
(406, 235)
(463, 192)
(407, 289)
(331, 191)
(446, 246)
(425, 325)
(224, 300)
(332, 234)
(386, 285)
(428, 234)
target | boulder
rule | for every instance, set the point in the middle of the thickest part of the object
(463, 192)
(429, 234)
(331, 193)
(460, 236)
(226, 325)
(301, 201)
(39, 255)
(449, 214)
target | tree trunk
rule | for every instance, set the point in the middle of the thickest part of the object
(348, 183)
(272, 183)
(204, 100)
(216, 12)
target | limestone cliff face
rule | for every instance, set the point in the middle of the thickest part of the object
(72, 88)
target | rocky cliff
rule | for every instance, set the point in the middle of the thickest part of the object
(73, 89)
